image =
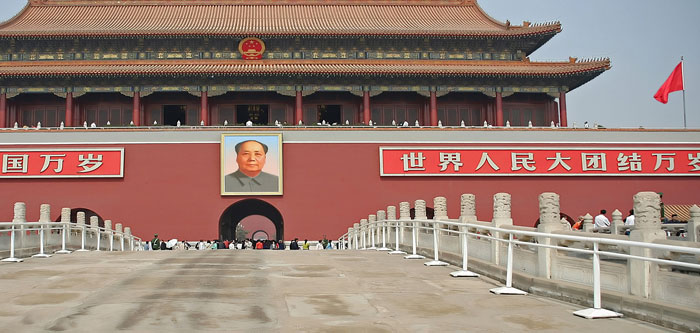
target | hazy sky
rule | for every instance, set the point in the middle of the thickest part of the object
(643, 38)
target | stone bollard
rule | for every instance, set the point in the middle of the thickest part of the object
(405, 217)
(440, 212)
(382, 232)
(20, 213)
(356, 236)
(420, 214)
(501, 217)
(647, 228)
(65, 218)
(467, 213)
(65, 215)
(110, 234)
(549, 222)
(693, 224)
(94, 225)
(45, 213)
(129, 237)
(118, 229)
(392, 227)
(588, 224)
(94, 222)
(373, 230)
(364, 233)
(617, 226)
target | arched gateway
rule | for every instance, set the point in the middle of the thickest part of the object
(235, 213)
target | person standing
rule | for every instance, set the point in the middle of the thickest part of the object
(601, 221)
(155, 242)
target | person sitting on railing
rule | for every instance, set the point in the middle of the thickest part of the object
(294, 245)
(601, 221)
(579, 224)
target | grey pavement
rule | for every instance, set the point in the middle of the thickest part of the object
(263, 291)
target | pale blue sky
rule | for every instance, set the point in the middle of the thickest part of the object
(643, 38)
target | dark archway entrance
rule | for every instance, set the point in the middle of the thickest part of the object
(241, 209)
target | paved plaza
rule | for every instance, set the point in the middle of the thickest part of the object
(308, 291)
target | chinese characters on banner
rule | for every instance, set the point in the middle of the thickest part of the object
(449, 161)
(62, 163)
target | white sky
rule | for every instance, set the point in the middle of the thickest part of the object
(643, 38)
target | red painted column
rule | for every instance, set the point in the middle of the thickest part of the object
(204, 112)
(499, 109)
(3, 110)
(69, 110)
(365, 108)
(136, 112)
(433, 109)
(562, 109)
(299, 108)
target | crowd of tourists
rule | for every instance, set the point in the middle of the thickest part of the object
(247, 244)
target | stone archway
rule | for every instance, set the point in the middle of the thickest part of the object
(236, 212)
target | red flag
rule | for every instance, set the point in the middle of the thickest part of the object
(673, 83)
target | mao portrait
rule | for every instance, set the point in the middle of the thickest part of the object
(251, 164)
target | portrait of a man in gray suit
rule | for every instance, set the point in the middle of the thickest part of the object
(251, 157)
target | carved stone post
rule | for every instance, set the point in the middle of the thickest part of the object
(391, 216)
(20, 213)
(94, 225)
(382, 232)
(617, 225)
(45, 213)
(118, 229)
(363, 232)
(501, 217)
(129, 237)
(356, 236)
(110, 234)
(65, 218)
(371, 219)
(647, 228)
(693, 224)
(20, 216)
(405, 217)
(80, 217)
(549, 221)
(349, 241)
(588, 224)
(440, 211)
(420, 214)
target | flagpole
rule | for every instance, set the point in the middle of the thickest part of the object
(685, 125)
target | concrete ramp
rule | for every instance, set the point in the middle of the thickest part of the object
(307, 291)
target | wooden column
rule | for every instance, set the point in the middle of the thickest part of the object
(3, 110)
(562, 109)
(69, 110)
(499, 109)
(136, 112)
(365, 107)
(299, 108)
(204, 111)
(433, 109)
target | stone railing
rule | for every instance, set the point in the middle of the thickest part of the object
(643, 275)
(21, 239)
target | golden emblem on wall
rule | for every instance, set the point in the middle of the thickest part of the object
(251, 48)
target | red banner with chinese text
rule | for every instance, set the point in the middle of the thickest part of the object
(451, 161)
(62, 163)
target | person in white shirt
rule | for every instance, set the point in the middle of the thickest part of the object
(630, 219)
(601, 221)
(319, 245)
